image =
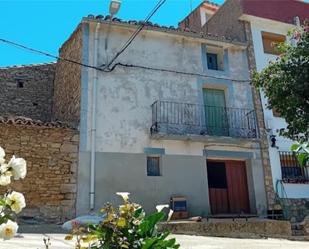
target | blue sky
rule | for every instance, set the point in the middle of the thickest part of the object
(46, 24)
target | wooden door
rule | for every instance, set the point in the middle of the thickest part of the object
(228, 189)
(237, 187)
(215, 112)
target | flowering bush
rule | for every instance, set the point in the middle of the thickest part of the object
(126, 226)
(11, 203)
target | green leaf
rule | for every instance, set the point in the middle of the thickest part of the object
(148, 243)
(303, 158)
(295, 147)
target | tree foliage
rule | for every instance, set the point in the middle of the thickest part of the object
(285, 83)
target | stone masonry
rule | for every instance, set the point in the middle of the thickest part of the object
(270, 192)
(67, 85)
(27, 90)
(51, 153)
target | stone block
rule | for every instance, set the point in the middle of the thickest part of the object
(68, 148)
(68, 188)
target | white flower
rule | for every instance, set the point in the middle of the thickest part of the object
(18, 167)
(161, 207)
(124, 195)
(2, 155)
(8, 230)
(16, 201)
(5, 180)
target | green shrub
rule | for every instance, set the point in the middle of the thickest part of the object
(127, 227)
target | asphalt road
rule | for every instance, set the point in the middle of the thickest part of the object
(35, 241)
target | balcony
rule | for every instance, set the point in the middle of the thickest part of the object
(291, 171)
(174, 118)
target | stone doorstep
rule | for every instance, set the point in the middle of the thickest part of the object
(239, 228)
(50, 228)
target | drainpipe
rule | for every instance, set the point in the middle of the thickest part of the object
(93, 122)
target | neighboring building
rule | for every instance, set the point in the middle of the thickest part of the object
(175, 117)
(50, 148)
(199, 16)
(262, 24)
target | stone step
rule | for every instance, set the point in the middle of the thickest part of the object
(298, 233)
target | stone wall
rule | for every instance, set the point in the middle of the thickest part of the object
(225, 22)
(270, 192)
(67, 85)
(51, 154)
(296, 209)
(192, 21)
(27, 91)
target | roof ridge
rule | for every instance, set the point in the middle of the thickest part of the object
(106, 19)
(28, 65)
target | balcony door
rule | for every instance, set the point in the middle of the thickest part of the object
(215, 112)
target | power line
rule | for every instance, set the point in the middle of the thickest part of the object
(135, 33)
(20, 46)
(117, 64)
(174, 71)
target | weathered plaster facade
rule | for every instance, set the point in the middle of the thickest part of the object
(123, 117)
(27, 91)
(51, 153)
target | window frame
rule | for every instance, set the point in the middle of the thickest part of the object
(269, 48)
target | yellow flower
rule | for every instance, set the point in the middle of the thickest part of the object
(68, 237)
(121, 222)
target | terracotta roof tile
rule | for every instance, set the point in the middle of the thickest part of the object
(19, 120)
(155, 26)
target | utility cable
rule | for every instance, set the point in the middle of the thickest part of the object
(47, 54)
(135, 33)
(117, 64)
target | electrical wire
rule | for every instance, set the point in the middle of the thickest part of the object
(175, 71)
(117, 64)
(47, 54)
(135, 33)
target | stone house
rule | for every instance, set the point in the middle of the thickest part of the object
(50, 148)
(261, 24)
(174, 117)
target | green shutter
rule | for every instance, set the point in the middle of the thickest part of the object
(215, 112)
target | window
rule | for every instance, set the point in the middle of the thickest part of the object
(20, 84)
(216, 175)
(214, 56)
(291, 170)
(270, 41)
(153, 166)
(212, 61)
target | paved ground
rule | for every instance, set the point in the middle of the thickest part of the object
(34, 241)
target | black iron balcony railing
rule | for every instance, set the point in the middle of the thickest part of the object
(291, 170)
(193, 119)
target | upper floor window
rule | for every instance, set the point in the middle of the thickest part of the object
(270, 42)
(214, 58)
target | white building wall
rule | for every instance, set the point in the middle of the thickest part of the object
(273, 123)
(123, 102)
